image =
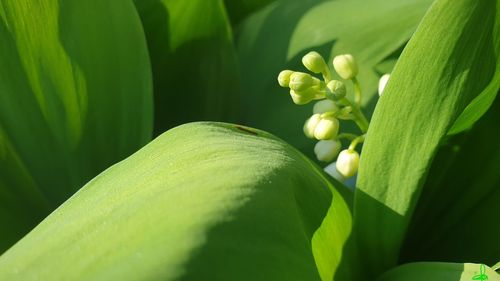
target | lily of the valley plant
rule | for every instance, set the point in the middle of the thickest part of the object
(87, 192)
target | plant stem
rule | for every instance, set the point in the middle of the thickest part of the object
(356, 141)
(357, 91)
(359, 117)
(327, 76)
(347, 136)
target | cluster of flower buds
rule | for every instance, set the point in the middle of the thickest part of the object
(324, 124)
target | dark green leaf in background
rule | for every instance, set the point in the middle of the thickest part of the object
(75, 97)
(194, 65)
(203, 201)
(238, 10)
(450, 60)
(456, 216)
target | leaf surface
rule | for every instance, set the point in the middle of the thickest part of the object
(75, 98)
(437, 271)
(193, 60)
(449, 61)
(203, 201)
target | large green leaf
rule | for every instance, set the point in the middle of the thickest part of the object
(460, 200)
(449, 61)
(436, 271)
(201, 202)
(371, 30)
(75, 97)
(194, 64)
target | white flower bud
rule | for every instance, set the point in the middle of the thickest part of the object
(325, 106)
(300, 81)
(284, 78)
(337, 88)
(382, 82)
(327, 150)
(311, 124)
(314, 62)
(327, 128)
(348, 163)
(332, 171)
(346, 66)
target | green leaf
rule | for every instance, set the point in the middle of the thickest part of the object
(240, 9)
(203, 201)
(193, 60)
(371, 30)
(75, 97)
(449, 61)
(437, 271)
(459, 200)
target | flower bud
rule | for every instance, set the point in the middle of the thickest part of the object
(327, 128)
(346, 66)
(314, 62)
(332, 171)
(327, 150)
(284, 78)
(348, 163)
(325, 106)
(302, 97)
(337, 89)
(311, 124)
(300, 81)
(382, 82)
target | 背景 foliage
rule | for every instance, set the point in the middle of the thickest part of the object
(216, 201)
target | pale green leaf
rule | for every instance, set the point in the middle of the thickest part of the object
(449, 61)
(203, 201)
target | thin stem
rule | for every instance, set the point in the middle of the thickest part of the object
(356, 141)
(357, 91)
(347, 136)
(359, 117)
(327, 75)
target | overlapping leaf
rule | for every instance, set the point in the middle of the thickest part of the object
(194, 65)
(201, 202)
(451, 59)
(75, 97)
(460, 199)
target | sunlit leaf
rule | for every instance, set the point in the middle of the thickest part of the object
(450, 60)
(203, 201)
(75, 97)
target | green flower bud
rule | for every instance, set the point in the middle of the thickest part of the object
(314, 62)
(311, 124)
(284, 78)
(346, 66)
(300, 81)
(325, 106)
(327, 150)
(382, 82)
(327, 128)
(302, 97)
(337, 89)
(348, 163)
